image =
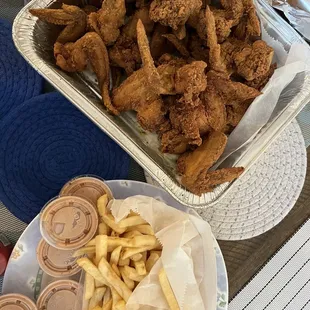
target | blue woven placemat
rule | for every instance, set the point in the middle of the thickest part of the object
(18, 81)
(45, 142)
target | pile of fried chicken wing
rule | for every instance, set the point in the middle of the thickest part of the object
(188, 68)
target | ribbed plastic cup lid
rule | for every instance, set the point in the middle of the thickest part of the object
(55, 262)
(68, 222)
(59, 295)
(90, 188)
(16, 302)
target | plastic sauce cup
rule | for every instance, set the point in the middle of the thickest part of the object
(68, 222)
(16, 302)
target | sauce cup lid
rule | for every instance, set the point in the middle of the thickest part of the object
(87, 187)
(55, 262)
(16, 302)
(68, 222)
(61, 295)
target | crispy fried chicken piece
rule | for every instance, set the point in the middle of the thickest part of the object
(125, 54)
(222, 25)
(130, 29)
(197, 49)
(235, 10)
(191, 121)
(194, 166)
(248, 27)
(74, 18)
(141, 90)
(191, 79)
(159, 44)
(260, 82)
(73, 57)
(173, 13)
(107, 21)
(206, 182)
(231, 92)
(173, 142)
(191, 165)
(215, 59)
(215, 108)
(178, 44)
(254, 61)
(89, 9)
(180, 33)
(236, 112)
(228, 50)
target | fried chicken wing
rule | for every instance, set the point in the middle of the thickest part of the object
(215, 108)
(125, 54)
(141, 90)
(231, 92)
(74, 18)
(173, 142)
(197, 49)
(222, 25)
(173, 13)
(254, 61)
(159, 44)
(215, 59)
(73, 57)
(260, 82)
(236, 112)
(107, 21)
(177, 44)
(191, 79)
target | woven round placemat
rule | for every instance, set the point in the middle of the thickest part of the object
(265, 194)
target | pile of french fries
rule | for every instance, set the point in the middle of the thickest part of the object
(118, 259)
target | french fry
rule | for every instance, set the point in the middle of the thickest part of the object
(104, 229)
(115, 255)
(132, 274)
(130, 283)
(107, 295)
(167, 290)
(143, 229)
(132, 221)
(124, 262)
(108, 305)
(120, 305)
(128, 252)
(144, 256)
(85, 250)
(136, 257)
(131, 234)
(154, 257)
(101, 247)
(115, 268)
(98, 284)
(90, 268)
(102, 203)
(95, 308)
(114, 242)
(96, 299)
(140, 267)
(131, 213)
(115, 297)
(156, 252)
(114, 234)
(89, 286)
(109, 220)
(114, 281)
(91, 243)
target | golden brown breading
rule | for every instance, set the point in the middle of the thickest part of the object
(74, 18)
(107, 21)
(130, 29)
(231, 92)
(260, 82)
(73, 57)
(173, 142)
(197, 49)
(206, 182)
(159, 44)
(222, 25)
(178, 44)
(191, 79)
(173, 13)
(215, 59)
(236, 112)
(191, 165)
(125, 54)
(252, 62)
(215, 108)
(89, 9)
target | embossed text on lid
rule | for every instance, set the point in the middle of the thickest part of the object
(16, 302)
(68, 222)
(88, 187)
(59, 295)
(56, 262)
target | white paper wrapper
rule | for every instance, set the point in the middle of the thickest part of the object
(267, 106)
(188, 256)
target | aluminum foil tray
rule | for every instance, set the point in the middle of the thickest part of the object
(34, 40)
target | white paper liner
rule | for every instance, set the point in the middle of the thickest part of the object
(188, 256)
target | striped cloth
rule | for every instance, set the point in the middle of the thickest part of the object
(284, 282)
